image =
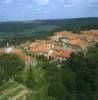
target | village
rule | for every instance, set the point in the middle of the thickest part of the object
(59, 46)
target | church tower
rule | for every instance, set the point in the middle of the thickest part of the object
(8, 49)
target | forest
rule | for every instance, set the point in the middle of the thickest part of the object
(20, 31)
(74, 79)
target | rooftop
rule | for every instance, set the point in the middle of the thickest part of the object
(64, 54)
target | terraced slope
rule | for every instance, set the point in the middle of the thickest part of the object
(13, 91)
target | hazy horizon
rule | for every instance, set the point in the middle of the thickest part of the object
(46, 19)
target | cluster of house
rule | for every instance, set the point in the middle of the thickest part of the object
(59, 46)
(49, 50)
(62, 44)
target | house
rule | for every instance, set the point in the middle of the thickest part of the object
(1, 51)
(60, 55)
(96, 40)
(77, 42)
(50, 50)
(41, 49)
(17, 51)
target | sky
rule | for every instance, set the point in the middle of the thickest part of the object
(16, 10)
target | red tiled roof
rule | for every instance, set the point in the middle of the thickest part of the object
(39, 48)
(17, 51)
(1, 50)
(62, 33)
(25, 57)
(96, 41)
(77, 42)
(64, 54)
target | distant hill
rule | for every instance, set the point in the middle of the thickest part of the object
(46, 27)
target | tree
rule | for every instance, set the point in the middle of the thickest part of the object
(10, 66)
(85, 68)
(30, 80)
(76, 79)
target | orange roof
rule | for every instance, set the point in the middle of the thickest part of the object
(25, 57)
(59, 33)
(64, 54)
(91, 32)
(63, 33)
(34, 44)
(72, 37)
(40, 48)
(1, 50)
(96, 40)
(17, 51)
(77, 42)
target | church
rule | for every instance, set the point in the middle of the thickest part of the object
(8, 49)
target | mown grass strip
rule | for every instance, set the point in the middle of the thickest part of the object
(8, 86)
(16, 92)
